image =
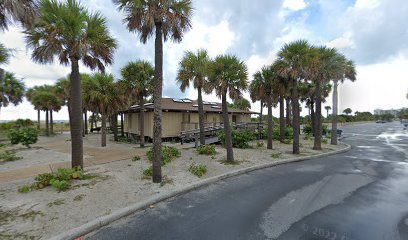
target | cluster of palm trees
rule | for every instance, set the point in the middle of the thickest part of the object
(68, 32)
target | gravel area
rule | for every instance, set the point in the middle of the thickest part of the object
(41, 214)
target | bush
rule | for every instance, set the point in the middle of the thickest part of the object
(59, 180)
(136, 158)
(259, 144)
(168, 153)
(240, 139)
(148, 172)
(8, 156)
(276, 133)
(206, 149)
(307, 129)
(19, 123)
(197, 169)
(24, 189)
(25, 136)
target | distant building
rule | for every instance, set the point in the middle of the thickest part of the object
(394, 112)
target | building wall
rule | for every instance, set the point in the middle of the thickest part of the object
(175, 122)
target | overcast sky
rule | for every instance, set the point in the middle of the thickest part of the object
(373, 33)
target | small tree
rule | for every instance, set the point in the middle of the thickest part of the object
(347, 111)
(328, 108)
(25, 136)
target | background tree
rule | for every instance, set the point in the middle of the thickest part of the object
(5, 55)
(346, 70)
(294, 57)
(68, 31)
(104, 97)
(11, 90)
(347, 111)
(194, 68)
(45, 99)
(328, 108)
(137, 80)
(168, 19)
(228, 77)
(240, 103)
(281, 90)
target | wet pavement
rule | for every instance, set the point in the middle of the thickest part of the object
(360, 194)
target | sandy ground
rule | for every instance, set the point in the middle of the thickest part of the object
(44, 213)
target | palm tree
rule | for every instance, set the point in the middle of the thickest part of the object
(328, 108)
(137, 80)
(167, 19)
(104, 96)
(68, 31)
(44, 98)
(5, 54)
(240, 103)
(347, 111)
(11, 90)
(294, 58)
(23, 11)
(346, 70)
(281, 91)
(264, 79)
(194, 68)
(228, 77)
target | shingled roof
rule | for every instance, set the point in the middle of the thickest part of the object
(187, 105)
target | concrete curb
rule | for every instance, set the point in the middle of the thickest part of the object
(107, 219)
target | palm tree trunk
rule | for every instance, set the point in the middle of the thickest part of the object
(122, 130)
(201, 116)
(295, 121)
(114, 121)
(92, 120)
(47, 126)
(103, 131)
(141, 120)
(76, 116)
(327, 113)
(38, 119)
(227, 129)
(282, 119)
(51, 123)
(312, 116)
(318, 117)
(96, 120)
(269, 144)
(86, 121)
(157, 95)
(288, 110)
(334, 114)
(261, 112)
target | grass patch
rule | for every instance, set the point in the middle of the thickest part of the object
(276, 155)
(260, 144)
(225, 162)
(148, 172)
(8, 155)
(168, 154)
(206, 149)
(166, 180)
(136, 158)
(56, 203)
(197, 169)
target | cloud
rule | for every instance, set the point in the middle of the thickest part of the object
(344, 41)
(294, 5)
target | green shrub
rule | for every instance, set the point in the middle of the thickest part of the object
(259, 144)
(136, 158)
(276, 133)
(240, 138)
(148, 172)
(24, 189)
(168, 154)
(307, 129)
(276, 155)
(206, 149)
(61, 185)
(325, 141)
(197, 169)
(8, 156)
(25, 136)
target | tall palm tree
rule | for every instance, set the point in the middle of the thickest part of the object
(294, 58)
(168, 19)
(228, 76)
(137, 80)
(262, 84)
(257, 91)
(30, 95)
(23, 11)
(46, 100)
(68, 31)
(281, 89)
(11, 90)
(346, 70)
(194, 68)
(328, 108)
(104, 97)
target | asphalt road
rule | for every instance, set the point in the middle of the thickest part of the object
(360, 194)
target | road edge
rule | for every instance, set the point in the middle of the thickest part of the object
(126, 211)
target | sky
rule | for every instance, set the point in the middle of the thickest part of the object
(373, 33)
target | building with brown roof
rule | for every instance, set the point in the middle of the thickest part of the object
(179, 115)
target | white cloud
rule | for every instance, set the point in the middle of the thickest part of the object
(366, 4)
(294, 5)
(342, 42)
